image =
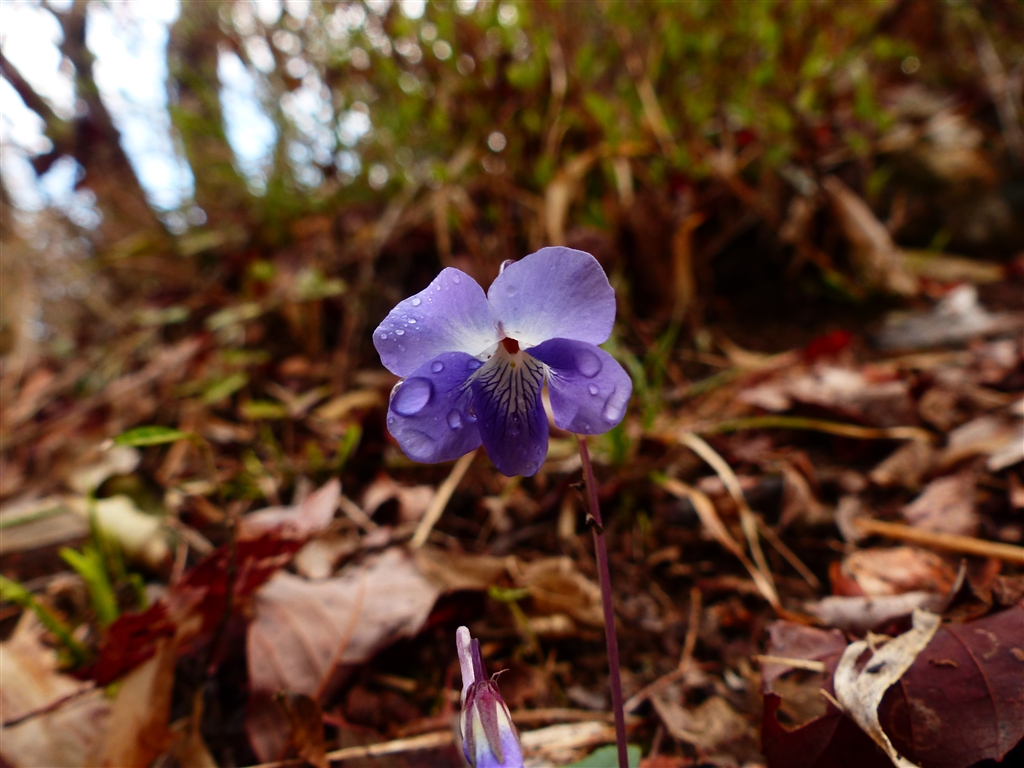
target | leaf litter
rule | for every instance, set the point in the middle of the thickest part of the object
(768, 513)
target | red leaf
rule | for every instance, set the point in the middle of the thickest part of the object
(961, 702)
(963, 699)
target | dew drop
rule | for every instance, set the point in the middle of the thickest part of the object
(614, 408)
(437, 366)
(473, 364)
(456, 278)
(510, 290)
(383, 337)
(399, 332)
(416, 301)
(471, 415)
(412, 396)
(588, 363)
(454, 420)
(412, 321)
(592, 389)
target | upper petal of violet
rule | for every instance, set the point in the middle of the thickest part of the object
(430, 412)
(556, 292)
(449, 315)
(589, 390)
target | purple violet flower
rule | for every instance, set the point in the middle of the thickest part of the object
(489, 739)
(474, 365)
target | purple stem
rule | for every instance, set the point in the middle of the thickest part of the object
(604, 576)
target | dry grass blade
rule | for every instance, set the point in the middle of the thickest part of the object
(747, 519)
(790, 556)
(819, 425)
(440, 500)
(950, 542)
(708, 515)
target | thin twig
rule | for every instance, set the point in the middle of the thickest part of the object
(440, 500)
(604, 576)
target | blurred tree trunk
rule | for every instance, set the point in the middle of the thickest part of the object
(192, 61)
(92, 139)
(128, 221)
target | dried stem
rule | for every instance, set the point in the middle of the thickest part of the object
(604, 577)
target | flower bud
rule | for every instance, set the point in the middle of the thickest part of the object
(489, 739)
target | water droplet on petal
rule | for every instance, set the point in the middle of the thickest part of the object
(614, 407)
(437, 366)
(416, 301)
(592, 389)
(473, 364)
(412, 396)
(399, 332)
(510, 290)
(588, 363)
(454, 420)
(383, 337)
(412, 321)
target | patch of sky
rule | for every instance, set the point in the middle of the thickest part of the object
(250, 131)
(129, 42)
(413, 9)
(130, 45)
(297, 9)
(309, 109)
(269, 11)
(30, 35)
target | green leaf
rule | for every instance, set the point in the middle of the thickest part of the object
(263, 409)
(151, 435)
(90, 566)
(224, 388)
(13, 591)
(608, 755)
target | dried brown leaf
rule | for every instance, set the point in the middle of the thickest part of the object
(946, 505)
(71, 733)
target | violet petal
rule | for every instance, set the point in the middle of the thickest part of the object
(589, 390)
(506, 398)
(449, 315)
(429, 413)
(554, 293)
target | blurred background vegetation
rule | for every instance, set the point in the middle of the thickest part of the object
(730, 163)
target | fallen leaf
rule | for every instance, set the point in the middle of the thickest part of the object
(860, 614)
(956, 319)
(946, 505)
(707, 726)
(850, 394)
(959, 703)
(297, 522)
(139, 729)
(988, 435)
(963, 699)
(35, 523)
(67, 736)
(116, 460)
(141, 536)
(305, 634)
(412, 500)
(905, 467)
(453, 571)
(860, 692)
(198, 601)
(877, 257)
(557, 586)
(893, 571)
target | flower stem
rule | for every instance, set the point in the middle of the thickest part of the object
(604, 576)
